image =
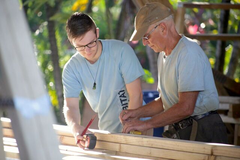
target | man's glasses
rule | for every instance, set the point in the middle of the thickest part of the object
(89, 45)
(147, 36)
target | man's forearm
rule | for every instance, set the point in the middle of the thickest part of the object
(152, 108)
(73, 119)
(135, 101)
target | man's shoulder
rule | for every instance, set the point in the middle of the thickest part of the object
(73, 60)
(190, 42)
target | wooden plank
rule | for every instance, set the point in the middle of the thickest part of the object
(227, 119)
(179, 20)
(215, 37)
(149, 151)
(151, 145)
(6, 122)
(226, 82)
(229, 99)
(11, 152)
(62, 130)
(35, 135)
(7, 132)
(102, 153)
(75, 151)
(9, 142)
(163, 143)
(236, 126)
(2, 153)
(234, 111)
(225, 158)
(206, 5)
(224, 106)
(233, 151)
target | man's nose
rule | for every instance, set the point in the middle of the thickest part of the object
(87, 49)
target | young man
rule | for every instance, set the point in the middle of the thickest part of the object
(107, 71)
(188, 96)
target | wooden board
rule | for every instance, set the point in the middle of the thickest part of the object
(214, 37)
(110, 146)
(206, 5)
(2, 153)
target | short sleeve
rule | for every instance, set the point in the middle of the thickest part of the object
(71, 85)
(190, 72)
(130, 66)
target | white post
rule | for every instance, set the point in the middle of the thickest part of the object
(31, 115)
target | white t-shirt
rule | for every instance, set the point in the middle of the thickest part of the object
(118, 65)
(187, 68)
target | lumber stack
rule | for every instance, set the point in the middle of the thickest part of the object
(125, 146)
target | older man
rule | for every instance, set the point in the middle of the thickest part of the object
(188, 97)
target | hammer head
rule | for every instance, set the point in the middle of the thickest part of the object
(91, 140)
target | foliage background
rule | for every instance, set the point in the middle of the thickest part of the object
(106, 13)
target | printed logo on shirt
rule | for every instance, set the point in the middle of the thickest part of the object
(123, 99)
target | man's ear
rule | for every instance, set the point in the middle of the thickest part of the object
(164, 28)
(97, 32)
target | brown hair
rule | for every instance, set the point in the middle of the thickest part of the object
(79, 24)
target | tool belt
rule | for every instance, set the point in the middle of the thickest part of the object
(174, 129)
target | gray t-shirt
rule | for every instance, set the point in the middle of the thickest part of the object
(117, 66)
(187, 69)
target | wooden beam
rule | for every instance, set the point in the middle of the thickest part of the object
(187, 146)
(215, 37)
(31, 115)
(229, 99)
(206, 5)
(179, 20)
(225, 158)
(2, 153)
(226, 82)
(6, 122)
(226, 151)
(227, 119)
(145, 146)
(236, 126)
(11, 149)
(149, 151)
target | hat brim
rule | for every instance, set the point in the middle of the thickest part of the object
(138, 34)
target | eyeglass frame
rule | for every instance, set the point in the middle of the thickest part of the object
(87, 45)
(149, 33)
(147, 36)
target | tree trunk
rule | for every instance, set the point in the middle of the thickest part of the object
(89, 6)
(109, 20)
(223, 27)
(152, 57)
(125, 21)
(55, 58)
(234, 57)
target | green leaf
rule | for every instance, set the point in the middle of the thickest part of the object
(148, 76)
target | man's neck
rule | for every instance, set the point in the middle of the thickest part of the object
(172, 42)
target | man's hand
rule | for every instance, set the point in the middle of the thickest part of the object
(127, 115)
(134, 125)
(80, 141)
